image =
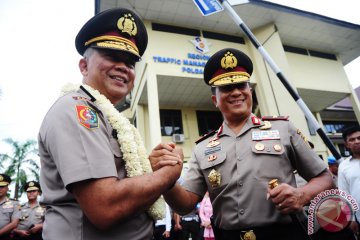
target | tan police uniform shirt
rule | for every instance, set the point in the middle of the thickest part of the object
(8, 211)
(71, 152)
(239, 200)
(29, 216)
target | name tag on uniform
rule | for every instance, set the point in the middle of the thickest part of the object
(265, 135)
(212, 150)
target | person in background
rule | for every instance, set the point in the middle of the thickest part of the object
(176, 233)
(333, 167)
(236, 163)
(349, 171)
(163, 226)
(205, 214)
(189, 225)
(96, 178)
(8, 209)
(31, 214)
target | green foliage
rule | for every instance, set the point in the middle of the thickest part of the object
(19, 161)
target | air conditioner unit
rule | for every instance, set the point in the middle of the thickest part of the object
(178, 138)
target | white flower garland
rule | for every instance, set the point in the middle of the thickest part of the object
(131, 145)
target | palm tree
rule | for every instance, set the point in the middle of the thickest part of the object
(19, 161)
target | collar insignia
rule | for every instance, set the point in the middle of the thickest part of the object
(255, 120)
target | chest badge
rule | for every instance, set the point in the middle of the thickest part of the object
(265, 135)
(277, 147)
(214, 178)
(212, 158)
(213, 143)
(259, 147)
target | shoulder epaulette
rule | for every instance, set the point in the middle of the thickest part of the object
(205, 136)
(274, 118)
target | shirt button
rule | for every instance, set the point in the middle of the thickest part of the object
(241, 183)
(242, 211)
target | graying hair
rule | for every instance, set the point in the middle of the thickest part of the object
(88, 52)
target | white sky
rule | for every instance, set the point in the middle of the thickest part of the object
(38, 55)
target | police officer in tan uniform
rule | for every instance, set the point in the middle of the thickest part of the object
(236, 163)
(8, 209)
(95, 175)
(31, 214)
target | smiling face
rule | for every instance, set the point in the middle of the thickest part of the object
(111, 72)
(234, 101)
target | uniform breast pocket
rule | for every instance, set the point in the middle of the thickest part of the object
(24, 214)
(8, 211)
(39, 212)
(214, 171)
(269, 147)
(269, 157)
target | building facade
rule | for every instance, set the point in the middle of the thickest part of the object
(170, 101)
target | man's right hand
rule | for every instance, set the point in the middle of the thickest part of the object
(165, 154)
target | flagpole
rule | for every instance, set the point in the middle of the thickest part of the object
(310, 117)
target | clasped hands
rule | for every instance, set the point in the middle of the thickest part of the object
(167, 155)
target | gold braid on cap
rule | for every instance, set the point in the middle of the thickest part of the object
(115, 42)
(230, 77)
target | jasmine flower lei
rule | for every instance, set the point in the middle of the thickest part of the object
(131, 145)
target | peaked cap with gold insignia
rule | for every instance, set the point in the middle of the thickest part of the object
(227, 66)
(4, 180)
(31, 186)
(116, 29)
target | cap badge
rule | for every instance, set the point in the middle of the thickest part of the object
(214, 178)
(228, 61)
(31, 184)
(127, 24)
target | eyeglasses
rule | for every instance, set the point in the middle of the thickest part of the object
(231, 87)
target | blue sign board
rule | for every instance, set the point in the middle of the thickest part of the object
(208, 7)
